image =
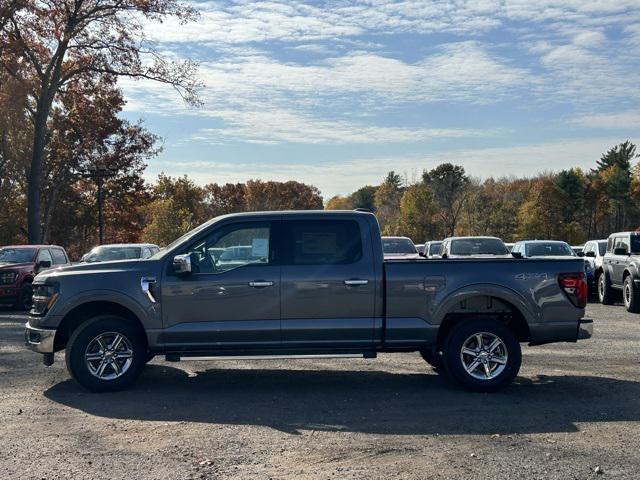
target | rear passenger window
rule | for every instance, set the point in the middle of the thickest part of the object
(59, 258)
(323, 242)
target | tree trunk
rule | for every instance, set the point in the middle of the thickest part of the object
(35, 171)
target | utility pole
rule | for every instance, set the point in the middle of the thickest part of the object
(98, 173)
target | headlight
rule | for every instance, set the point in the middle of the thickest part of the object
(44, 296)
(7, 278)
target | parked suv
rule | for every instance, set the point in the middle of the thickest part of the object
(594, 251)
(620, 270)
(469, 247)
(19, 264)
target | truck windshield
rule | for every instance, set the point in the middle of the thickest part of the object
(105, 254)
(398, 246)
(17, 255)
(478, 246)
(550, 249)
(434, 248)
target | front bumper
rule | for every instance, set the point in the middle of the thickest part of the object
(585, 328)
(39, 339)
(8, 293)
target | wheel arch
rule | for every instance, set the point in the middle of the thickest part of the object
(83, 312)
(501, 304)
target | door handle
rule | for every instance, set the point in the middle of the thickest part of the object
(352, 283)
(260, 284)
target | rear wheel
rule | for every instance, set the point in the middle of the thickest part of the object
(482, 355)
(605, 292)
(631, 295)
(106, 353)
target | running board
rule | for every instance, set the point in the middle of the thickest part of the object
(177, 358)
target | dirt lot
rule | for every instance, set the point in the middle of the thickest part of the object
(573, 412)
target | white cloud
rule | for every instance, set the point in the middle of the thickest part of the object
(281, 126)
(615, 121)
(345, 176)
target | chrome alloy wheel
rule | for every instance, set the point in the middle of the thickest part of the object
(109, 355)
(484, 355)
(601, 286)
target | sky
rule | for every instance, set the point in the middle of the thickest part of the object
(337, 93)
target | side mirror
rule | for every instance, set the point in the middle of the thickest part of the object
(590, 254)
(620, 251)
(580, 254)
(444, 255)
(182, 264)
(516, 254)
(421, 254)
(44, 263)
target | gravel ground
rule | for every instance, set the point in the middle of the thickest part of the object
(573, 413)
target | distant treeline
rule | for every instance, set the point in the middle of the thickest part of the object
(572, 205)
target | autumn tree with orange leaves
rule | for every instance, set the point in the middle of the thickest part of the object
(50, 46)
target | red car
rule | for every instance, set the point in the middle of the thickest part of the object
(19, 264)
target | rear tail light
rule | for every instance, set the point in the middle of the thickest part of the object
(575, 286)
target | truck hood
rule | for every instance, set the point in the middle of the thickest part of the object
(16, 266)
(98, 268)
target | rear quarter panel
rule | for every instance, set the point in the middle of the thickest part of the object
(419, 294)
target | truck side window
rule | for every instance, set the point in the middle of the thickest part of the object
(232, 247)
(324, 242)
(45, 256)
(59, 258)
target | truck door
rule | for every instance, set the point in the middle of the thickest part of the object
(232, 296)
(328, 282)
(620, 261)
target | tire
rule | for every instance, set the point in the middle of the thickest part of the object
(631, 295)
(488, 375)
(25, 297)
(432, 357)
(129, 356)
(605, 292)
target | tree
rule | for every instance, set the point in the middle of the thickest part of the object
(184, 194)
(364, 197)
(291, 195)
(449, 184)
(417, 209)
(167, 221)
(339, 203)
(223, 199)
(51, 45)
(387, 203)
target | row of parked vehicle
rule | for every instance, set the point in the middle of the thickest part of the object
(19, 264)
(612, 266)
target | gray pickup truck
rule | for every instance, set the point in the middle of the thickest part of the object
(303, 284)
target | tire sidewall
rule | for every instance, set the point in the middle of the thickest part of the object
(26, 289)
(453, 363)
(85, 333)
(632, 303)
(627, 298)
(604, 291)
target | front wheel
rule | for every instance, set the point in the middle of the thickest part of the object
(605, 293)
(631, 295)
(25, 297)
(482, 355)
(106, 353)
